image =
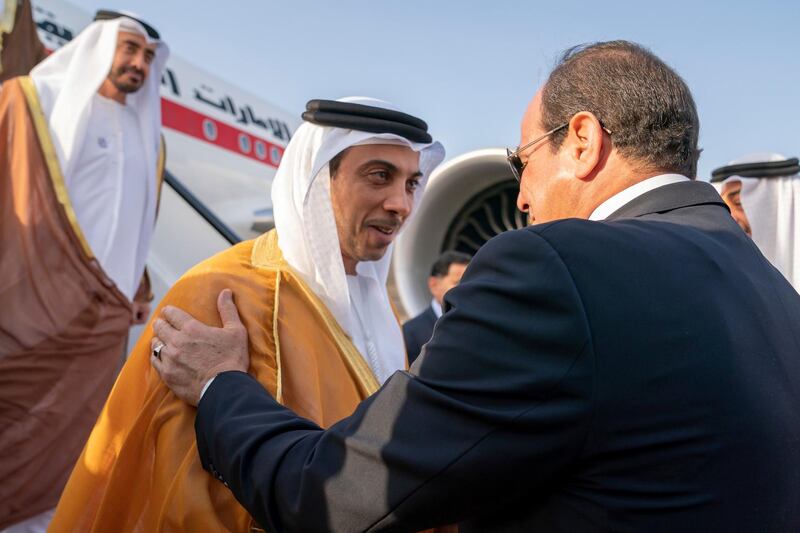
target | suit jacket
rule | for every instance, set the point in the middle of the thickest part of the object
(636, 374)
(418, 331)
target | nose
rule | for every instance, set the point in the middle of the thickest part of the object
(522, 205)
(399, 200)
(138, 61)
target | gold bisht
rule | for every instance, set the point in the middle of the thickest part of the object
(140, 470)
(63, 323)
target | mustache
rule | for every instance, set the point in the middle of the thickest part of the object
(125, 70)
(393, 222)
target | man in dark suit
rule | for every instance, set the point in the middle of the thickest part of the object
(637, 371)
(445, 274)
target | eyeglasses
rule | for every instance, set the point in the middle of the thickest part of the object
(516, 164)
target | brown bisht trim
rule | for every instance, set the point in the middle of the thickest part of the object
(144, 293)
(63, 322)
(21, 49)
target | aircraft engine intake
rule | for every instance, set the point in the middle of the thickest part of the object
(469, 200)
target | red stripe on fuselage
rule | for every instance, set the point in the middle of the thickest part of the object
(188, 121)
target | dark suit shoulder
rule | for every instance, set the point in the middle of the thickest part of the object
(506, 281)
(683, 231)
(515, 245)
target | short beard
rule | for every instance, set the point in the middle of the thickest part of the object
(127, 88)
(362, 256)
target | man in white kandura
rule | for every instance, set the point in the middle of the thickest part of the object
(82, 149)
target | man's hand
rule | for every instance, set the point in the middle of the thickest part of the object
(193, 353)
(141, 311)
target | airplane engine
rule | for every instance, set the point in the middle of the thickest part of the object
(468, 200)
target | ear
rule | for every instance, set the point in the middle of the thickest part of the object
(433, 283)
(585, 142)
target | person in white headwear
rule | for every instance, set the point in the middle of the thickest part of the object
(318, 320)
(763, 194)
(80, 173)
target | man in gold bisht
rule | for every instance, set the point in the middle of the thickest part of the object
(312, 295)
(79, 182)
(20, 47)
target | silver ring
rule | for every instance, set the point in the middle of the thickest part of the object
(157, 351)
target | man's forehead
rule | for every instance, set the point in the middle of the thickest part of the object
(456, 269)
(390, 152)
(126, 36)
(732, 187)
(530, 121)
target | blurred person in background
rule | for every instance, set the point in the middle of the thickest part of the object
(763, 194)
(445, 274)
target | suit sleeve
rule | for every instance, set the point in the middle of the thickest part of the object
(498, 405)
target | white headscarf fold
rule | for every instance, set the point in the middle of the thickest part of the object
(304, 220)
(67, 83)
(772, 206)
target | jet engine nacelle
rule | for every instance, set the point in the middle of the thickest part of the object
(468, 200)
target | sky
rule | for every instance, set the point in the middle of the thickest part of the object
(469, 68)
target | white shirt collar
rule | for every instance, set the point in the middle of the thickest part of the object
(437, 308)
(634, 191)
